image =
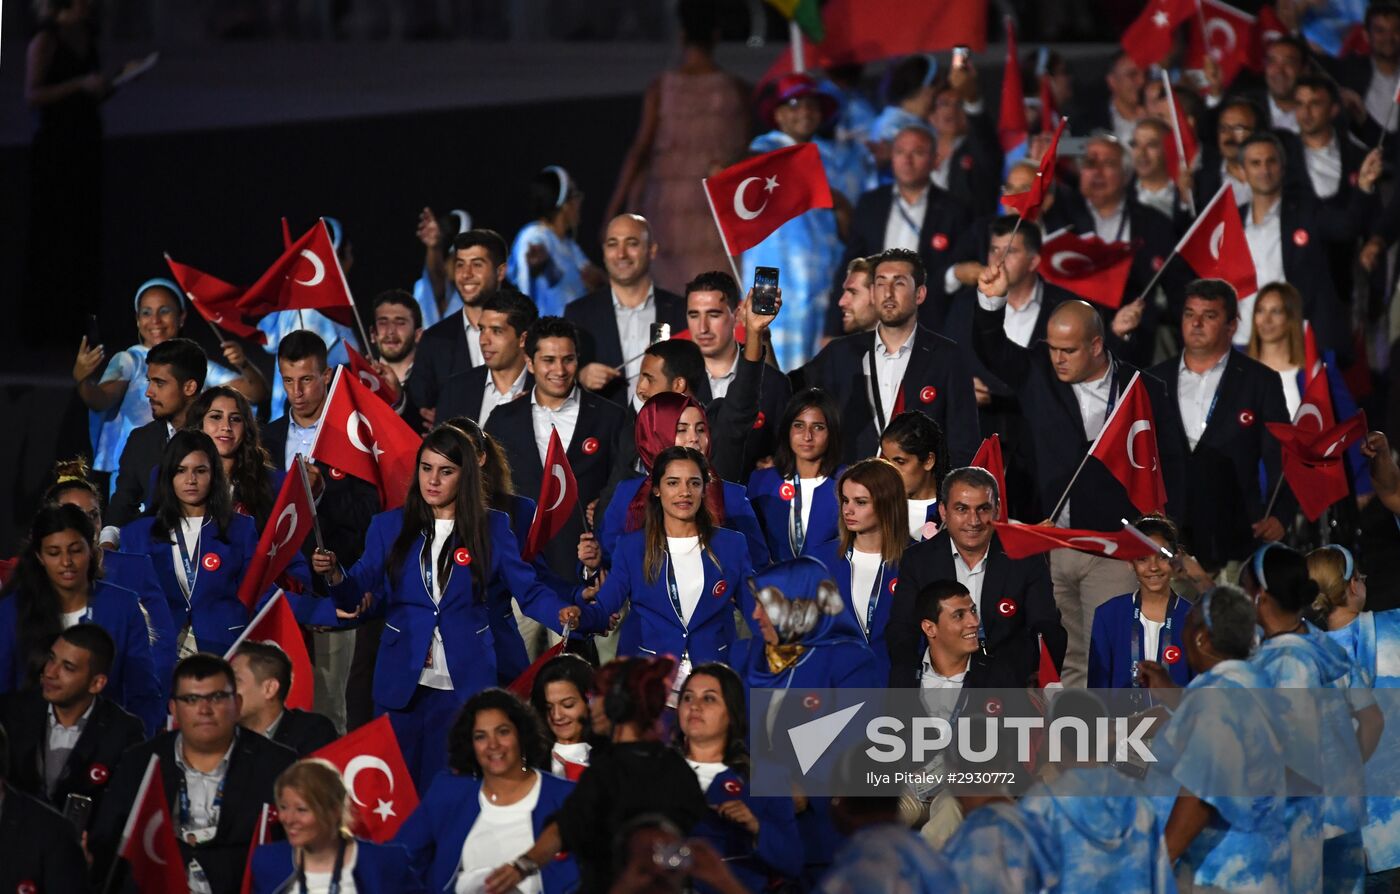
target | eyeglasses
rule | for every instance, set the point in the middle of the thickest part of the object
(192, 699)
(1237, 129)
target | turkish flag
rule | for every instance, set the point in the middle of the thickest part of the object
(756, 196)
(262, 834)
(558, 497)
(1149, 38)
(369, 377)
(989, 457)
(1181, 131)
(215, 300)
(1027, 204)
(361, 435)
(1012, 126)
(1215, 245)
(1232, 37)
(523, 684)
(1021, 541)
(1312, 358)
(376, 778)
(291, 519)
(1315, 411)
(1314, 459)
(148, 842)
(306, 277)
(1127, 446)
(276, 624)
(1094, 270)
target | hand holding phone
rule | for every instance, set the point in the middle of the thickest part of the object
(765, 291)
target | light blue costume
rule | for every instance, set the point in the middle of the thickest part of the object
(855, 115)
(560, 280)
(1230, 755)
(807, 251)
(888, 858)
(1328, 23)
(110, 428)
(891, 120)
(1001, 849)
(423, 288)
(1102, 839)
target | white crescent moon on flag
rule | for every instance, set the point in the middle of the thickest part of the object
(1214, 26)
(1109, 547)
(1307, 410)
(558, 472)
(1058, 259)
(365, 762)
(1332, 448)
(289, 512)
(352, 429)
(1138, 428)
(320, 269)
(148, 838)
(1217, 236)
(371, 382)
(739, 207)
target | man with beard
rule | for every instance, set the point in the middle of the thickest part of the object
(1369, 81)
(453, 345)
(633, 303)
(398, 325)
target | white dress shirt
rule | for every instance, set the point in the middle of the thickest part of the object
(634, 331)
(473, 340)
(1325, 167)
(1019, 323)
(1195, 394)
(940, 172)
(1163, 200)
(565, 419)
(932, 679)
(1265, 240)
(1242, 191)
(299, 438)
(719, 385)
(1123, 128)
(971, 577)
(491, 398)
(906, 221)
(1280, 119)
(1115, 227)
(890, 368)
(1380, 98)
(1092, 398)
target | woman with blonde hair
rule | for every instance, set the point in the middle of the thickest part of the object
(321, 854)
(1276, 338)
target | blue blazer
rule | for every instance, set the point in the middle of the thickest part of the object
(131, 682)
(213, 608)
(834, 558)
(738, 516)
(135, 572)
(410, 615)
(1110, 645)
(434, 833)
(778, 849)
(511, 657)
(774, 512)
(378, 867)
(653, 627)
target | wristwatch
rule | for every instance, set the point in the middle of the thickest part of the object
(525, 866)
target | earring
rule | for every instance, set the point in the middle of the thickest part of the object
(1199, 644)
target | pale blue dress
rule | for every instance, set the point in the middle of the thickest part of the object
(427, 302)
(1001, 849)
(561, 279)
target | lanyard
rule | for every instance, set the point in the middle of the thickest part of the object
(191, 571)
(796, 535)
(1139, 635)
(335, 876)
(877, 403)
(186, 817)
(673, 590)
(875, 590)
(899, 206)
(425, 565)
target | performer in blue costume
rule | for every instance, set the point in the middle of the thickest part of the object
(545, 262)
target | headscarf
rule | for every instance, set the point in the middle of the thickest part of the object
(654, 432)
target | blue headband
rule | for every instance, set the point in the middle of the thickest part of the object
(464, 220)
(564, 183)
(163, 283)
(932, 69)
(1256, 563)
(1346, 555)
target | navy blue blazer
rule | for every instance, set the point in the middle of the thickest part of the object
(213, 608)
(131, 682)
(378, 867)
(410, 615)
(775, 510)
(834, 558)
(1111, 644)
(434, 833)
(654, 627)
(135, 572)
(738, 516)
(511, 657)
(777, 852)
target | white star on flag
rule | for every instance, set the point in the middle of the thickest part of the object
(385, 809)
(770, 184)
(1161, 19)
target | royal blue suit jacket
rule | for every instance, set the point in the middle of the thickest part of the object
(653, 627)
(131, 682)
(378, 867)
(435, 831)
(738, 516)
(135, 572)
(778, 850)
(511, 657)
(774, 510)
(834, 558)
(1111, 644)
(463, 616)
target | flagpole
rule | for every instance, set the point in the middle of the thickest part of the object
(799, 53)
(306, 483)
(1183, 162)
(365, 347)
(151, 767)
(1108, 420)
(724, 240)
(1274, 499)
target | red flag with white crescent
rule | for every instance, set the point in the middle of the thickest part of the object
(1232, 38)
(1094, 270)
(287, 526)
(1182, 142)
(376, 778)
(215, 300)
(307, 276)
(989, 457)
(1314, 451)
(753, 198)
(148, 842)
(1127, 446)
(1215, 244)
(275, 623)
(1149, 38)
(361, 435)
(1027, 204)
(558, 497)
(369, 376)
(1021, 541)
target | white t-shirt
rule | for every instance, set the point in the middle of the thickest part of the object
(189, 530)
(918, 516)
(576, 753)
(71, 618)
(320, 882)
(1151, 637)
(865, 570)
(1291, 395)
(437, 676)
(706, 772)
(809, 489)
(689, 572)
(500, 834)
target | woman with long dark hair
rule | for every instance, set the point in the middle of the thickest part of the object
(757, 837)
(492, 805)
(864, 560)
(55, 586)
(796, 498)
(428, 568)
(914, 443)
(226, 416)
(682, 574)
(199, 546)
(560, 698)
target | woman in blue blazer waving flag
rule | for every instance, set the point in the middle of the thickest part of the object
(796, 498)
(683, 575)
(427, 569)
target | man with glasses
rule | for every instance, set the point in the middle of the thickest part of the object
(216, 780)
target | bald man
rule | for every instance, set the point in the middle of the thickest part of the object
(1067, 389)
(631, 302)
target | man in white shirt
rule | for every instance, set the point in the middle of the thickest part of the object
(948, 620)
(502, 378)
(1284, 60)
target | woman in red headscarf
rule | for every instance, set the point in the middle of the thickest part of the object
(671, 419)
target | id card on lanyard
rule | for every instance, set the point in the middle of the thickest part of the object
(673, 591)
(796, 533)
(1139, 635)
(426, 570)
(875, 591)
(191, 569)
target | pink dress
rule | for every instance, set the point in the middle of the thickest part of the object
(702, 124)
